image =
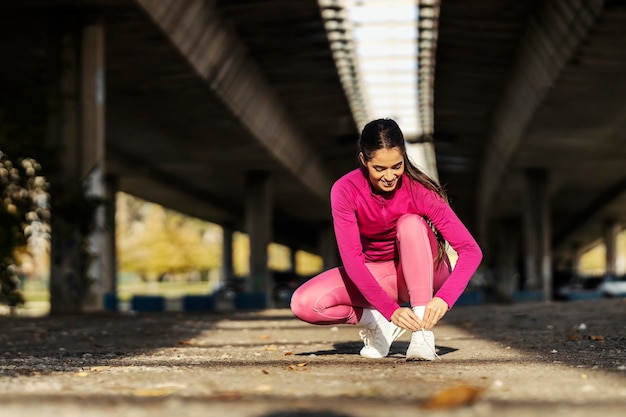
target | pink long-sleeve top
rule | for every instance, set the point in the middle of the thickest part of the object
(365, 229)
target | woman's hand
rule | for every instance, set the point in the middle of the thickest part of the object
(435, 310)
(405, 317)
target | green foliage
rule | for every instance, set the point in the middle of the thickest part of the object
(23, 212)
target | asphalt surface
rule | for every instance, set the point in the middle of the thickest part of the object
(558, 359)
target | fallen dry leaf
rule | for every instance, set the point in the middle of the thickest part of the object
(288, 353)
(597, 338)
(265, 372)
(299, 367)
(453, 397)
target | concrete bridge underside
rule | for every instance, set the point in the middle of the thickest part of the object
(529, 106)
(203, 96)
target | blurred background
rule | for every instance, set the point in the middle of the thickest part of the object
(174, 155)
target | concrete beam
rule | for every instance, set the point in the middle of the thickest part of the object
(221, 59)
(552, 37)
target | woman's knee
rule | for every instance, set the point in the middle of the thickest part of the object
(298, 303)
(410, 223)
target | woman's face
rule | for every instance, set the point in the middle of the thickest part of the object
(384, 169)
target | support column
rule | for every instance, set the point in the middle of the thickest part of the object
(93, 150)
(328, 248)
(109, 254)
(567, 266)
(259, 207)
(611, 230)
(505, 257)
(537, 233)
(292, 259)
(77, 280)
(576, 254)
(227, 253)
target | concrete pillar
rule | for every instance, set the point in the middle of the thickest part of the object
(259, 207)
(292, 259)
(567, 265)
(109, 255)
(576, 255)
(530, 237)
(78, 221)
(328, 248)
(506, 236)
(611, 230)
(92, 142)
(227, 252)
(537, 233)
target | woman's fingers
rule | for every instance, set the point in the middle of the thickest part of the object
(405, 318)
(434, 311)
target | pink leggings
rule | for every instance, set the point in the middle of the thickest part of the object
(332, 298)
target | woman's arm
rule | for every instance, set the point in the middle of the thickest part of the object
(351, 251)
(456, 234)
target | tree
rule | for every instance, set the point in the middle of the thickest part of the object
(153, 241)
(23, 213)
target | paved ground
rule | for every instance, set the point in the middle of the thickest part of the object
(560, 359)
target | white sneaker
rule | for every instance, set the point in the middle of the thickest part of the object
(378, 338)
(422, 346)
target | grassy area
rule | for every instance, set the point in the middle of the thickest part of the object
(165, 289)
(37, 295)
(126, 291)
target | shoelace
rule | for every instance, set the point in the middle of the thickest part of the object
(367, 335)
(431, 349)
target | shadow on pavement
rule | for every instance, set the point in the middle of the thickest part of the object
(583, 334)
(305, 413)
(31, 346)
(353, 348)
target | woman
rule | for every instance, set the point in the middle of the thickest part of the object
(391, 224)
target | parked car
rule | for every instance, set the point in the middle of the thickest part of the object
(613, 286)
